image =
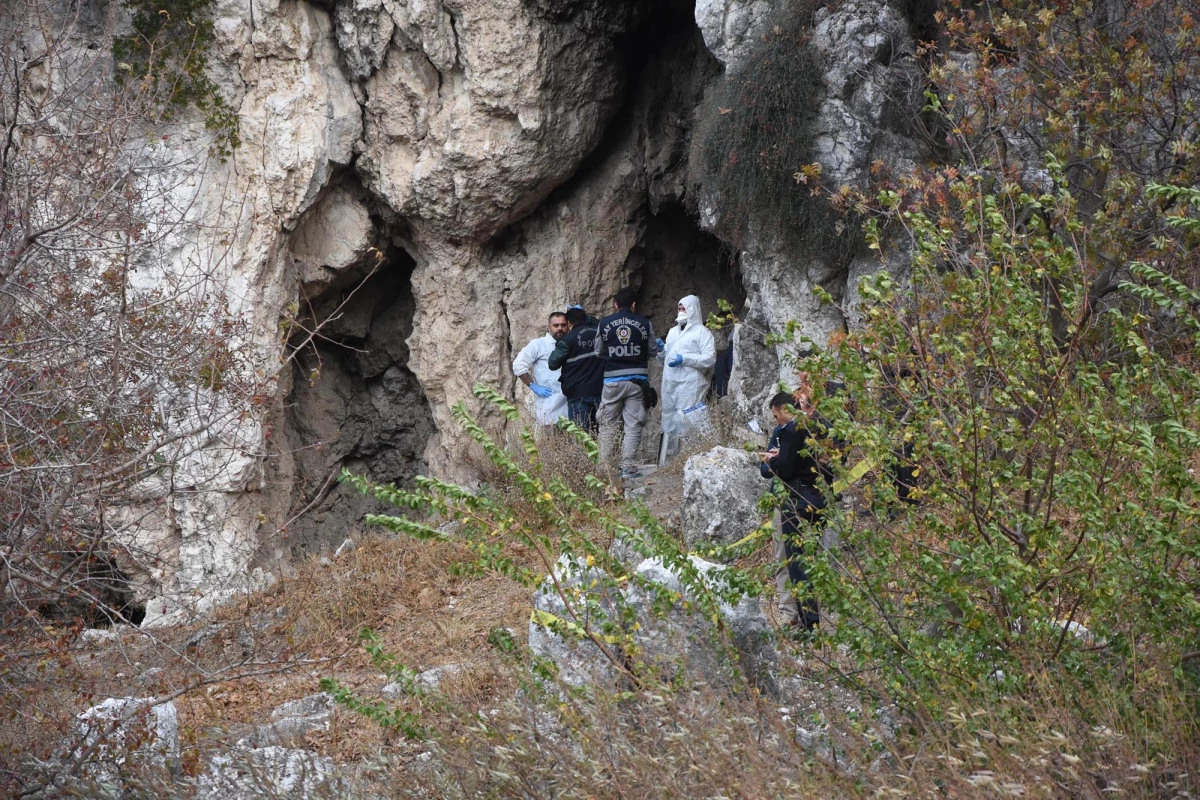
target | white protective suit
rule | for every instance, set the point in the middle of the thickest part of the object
(533, 359)
(685, 386)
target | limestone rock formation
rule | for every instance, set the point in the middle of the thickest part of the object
(721, 489)
(292, 721)
(126, 731)
(268, 772)
(687, 641)
(873, 88)
(430, 680)
(730, 28)
(425, 181)
(474, 112)
(580, 662)
(680, 641)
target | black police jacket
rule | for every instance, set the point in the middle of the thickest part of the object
(575, 354)
(625, 345)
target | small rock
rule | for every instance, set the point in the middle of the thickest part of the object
(285, 731)
(268, 772)
(294, 720)
(124, 728)
(319, 703)
(429, 680)
(97, 637)
(720, 497)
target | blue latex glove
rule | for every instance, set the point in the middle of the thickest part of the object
(661, 344)
(675, 361)
(540, 391)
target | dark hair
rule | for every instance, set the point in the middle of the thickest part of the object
(781, 400)
(554, 314)
(625, 298)
(575, 316)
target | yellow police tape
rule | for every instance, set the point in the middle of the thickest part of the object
(547, 620)
(853, 476)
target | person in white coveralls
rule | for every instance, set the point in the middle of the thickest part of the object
(688, 353)
(531, 368)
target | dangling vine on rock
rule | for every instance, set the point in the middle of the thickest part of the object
(168, 52)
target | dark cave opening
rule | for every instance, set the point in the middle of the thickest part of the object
(673, 259)
(353, 402)
(101, 594)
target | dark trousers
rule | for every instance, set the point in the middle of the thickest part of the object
(582, 411)
(904, 473)
(799, 522)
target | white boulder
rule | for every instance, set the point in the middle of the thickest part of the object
(721, 489)
(678, 642)
(126, 731)
(580, 662)
(243, 774)
(691, 642)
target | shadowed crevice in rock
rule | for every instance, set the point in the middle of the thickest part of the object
(353, 401)
(673, 259)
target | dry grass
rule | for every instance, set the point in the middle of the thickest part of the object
(703, 743)
(401, 588)
(1132, 741)
(1061, 739)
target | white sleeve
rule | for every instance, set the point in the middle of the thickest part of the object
(525, 359)
(706, 354)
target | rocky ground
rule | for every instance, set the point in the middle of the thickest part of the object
(247, 705)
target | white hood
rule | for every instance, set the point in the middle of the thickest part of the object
(691, 305)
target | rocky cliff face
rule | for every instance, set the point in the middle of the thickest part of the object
(430, 178)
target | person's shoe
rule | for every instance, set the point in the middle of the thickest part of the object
(798, 631)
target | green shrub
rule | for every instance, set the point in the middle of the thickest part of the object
(1057, 476)
(548, 518)
(755, 137)
(167, 52)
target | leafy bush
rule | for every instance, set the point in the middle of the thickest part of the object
(649, 738)
(1036, 370)
(1056, 489)
(523, 536)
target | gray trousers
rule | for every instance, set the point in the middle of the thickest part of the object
(787, 601)
(621, 403)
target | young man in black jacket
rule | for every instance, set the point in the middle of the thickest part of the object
(582, 376)
(791, 457)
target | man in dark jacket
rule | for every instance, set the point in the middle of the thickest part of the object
(625, 344)
(790, 457)
(582, 376)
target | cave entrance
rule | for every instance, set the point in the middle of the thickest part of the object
(353, 401)
(674, 259)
